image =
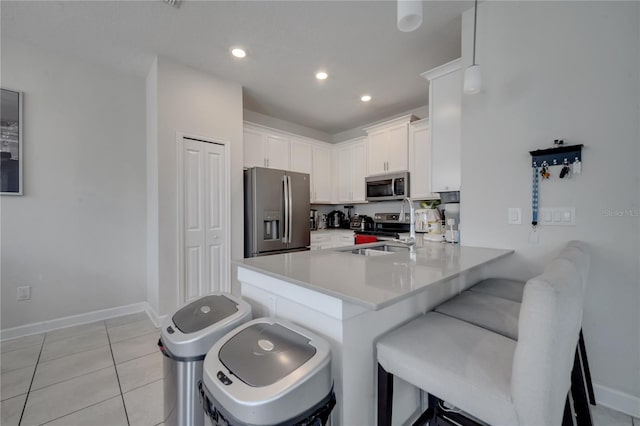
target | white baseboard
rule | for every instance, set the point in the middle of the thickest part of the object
(616, 400)
(153, 315)
(103, 314)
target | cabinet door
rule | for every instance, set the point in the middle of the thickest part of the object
(301, 157)
(420, 162)
(446, 99)
(377, 153)
(344, 174)
(358, 171)
(254, 153)
(277, 152)
(321, 175)
(398, 148)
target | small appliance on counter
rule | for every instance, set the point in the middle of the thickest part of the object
(429, 222)
(313, 219)
(334, 219)
(362, 223)
(452, 220)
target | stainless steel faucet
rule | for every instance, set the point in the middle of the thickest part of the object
(411, 241)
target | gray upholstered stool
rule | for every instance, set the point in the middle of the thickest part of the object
(494, 304)
(487, 375)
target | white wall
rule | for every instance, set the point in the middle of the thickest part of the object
(562, 70)
(77, 236)
(193, 102)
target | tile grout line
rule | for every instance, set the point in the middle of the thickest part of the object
(73, 378)
(124, 405)
(33, 376)
(78, 410)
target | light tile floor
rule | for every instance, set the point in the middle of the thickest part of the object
(103, 373)
(106, 373)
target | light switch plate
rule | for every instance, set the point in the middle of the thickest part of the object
(557, 216)
(514, 216)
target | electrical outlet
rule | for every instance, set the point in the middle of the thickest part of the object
(24, 292)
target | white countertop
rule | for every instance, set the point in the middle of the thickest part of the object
(373, 282)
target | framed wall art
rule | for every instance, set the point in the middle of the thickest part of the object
(11, 152)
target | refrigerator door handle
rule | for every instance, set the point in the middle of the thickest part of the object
(290, 209)
(287, 203)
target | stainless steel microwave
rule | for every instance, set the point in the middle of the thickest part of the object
(392, 186)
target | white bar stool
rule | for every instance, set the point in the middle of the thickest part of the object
(489, 376)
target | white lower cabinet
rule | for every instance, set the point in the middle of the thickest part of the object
(330, 238)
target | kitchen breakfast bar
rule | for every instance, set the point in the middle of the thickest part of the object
(352, 296)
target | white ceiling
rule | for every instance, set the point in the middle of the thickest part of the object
(356, 42)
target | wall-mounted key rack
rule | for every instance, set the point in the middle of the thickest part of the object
(557, 156)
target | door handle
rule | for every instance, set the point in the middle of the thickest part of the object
(290, 209)
(285, 193)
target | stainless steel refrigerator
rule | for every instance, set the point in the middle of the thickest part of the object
(276, 211)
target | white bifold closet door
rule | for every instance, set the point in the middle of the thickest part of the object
(206, 261)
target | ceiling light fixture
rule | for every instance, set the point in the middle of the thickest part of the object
(472, 76)
(365, 98)
(321, 75)
(238, 53)
(409, 15)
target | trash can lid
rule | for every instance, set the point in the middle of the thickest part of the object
(203, 312)
(262, 354)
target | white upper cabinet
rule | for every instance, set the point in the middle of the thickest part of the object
(445, 105)
(254, 149)
(420, 160)
(265, 149)
(321, 177)
(277, 152)
(351, 171)
(388, 146)
(301, 156)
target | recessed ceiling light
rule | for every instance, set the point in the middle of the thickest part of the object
(321, 75)
(365, 98)
(238, 53)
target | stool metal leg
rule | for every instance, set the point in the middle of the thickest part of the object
(568, 419)
(579, 393)
(385, 397)
(585, 366)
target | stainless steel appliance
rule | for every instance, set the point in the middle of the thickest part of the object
(314, 218)
(393, 186)
(185, 338)
(387, 226)
(334, 219)
(362, 222)
(268, 372)
(276, 211)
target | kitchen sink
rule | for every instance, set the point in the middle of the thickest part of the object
(376, 249)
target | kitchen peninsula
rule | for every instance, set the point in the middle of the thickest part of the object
(352, 295)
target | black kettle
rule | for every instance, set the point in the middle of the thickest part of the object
(335, 219)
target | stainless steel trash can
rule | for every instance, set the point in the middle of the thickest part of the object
(268, 372)
(185, 338)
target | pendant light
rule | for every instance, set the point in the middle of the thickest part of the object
(472, 76)
(409, 15)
